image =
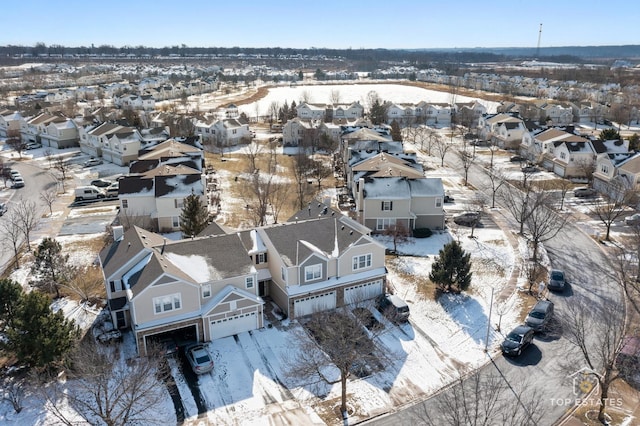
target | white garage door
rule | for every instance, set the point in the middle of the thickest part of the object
(234, 325)
(315, 303)
(363, 291)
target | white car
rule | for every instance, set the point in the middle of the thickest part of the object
(92, 162)
(633, 220)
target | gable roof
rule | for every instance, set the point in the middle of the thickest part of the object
(384, 165)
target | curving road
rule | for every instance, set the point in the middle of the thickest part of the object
(543, 366)
(36, 181)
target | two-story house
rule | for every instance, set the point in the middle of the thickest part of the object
(195, 289)
(60, 134)
(93, 138)
(10, 124)
(209, 287)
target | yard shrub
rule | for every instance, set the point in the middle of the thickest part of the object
(422, 233)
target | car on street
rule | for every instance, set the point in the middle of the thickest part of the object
(199, 358)
(14, 174)
(584, 192)
(530, 168)
(633, 220)
(516, 159)
(92, 162)
(557, 280)
(100, 183)
(18, 182)
(517, 340)
(540, 315)
(467, 218)
(3, 208)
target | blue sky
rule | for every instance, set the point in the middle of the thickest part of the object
(327, 23)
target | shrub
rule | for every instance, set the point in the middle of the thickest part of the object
(422, 233)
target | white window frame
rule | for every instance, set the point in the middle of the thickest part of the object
(249, 282)
(384, 223)
(167, 303)
(387, 206)
(206, 291)
(175, 221)
(361, 261)
(313, 272)
(438, 202)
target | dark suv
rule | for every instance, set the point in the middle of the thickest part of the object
(540, 316)
(393, 307)
(517, 340)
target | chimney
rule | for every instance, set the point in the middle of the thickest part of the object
(118, 232)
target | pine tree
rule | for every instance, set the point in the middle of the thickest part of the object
(51, 267)
(37, 336)
(451, 271)
(194, 216)
(378, 112)
(396, 134)
(10, 296)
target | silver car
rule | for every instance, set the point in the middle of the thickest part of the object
(199, 358)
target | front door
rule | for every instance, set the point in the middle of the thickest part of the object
(121, 321)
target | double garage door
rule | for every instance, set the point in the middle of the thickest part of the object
(233, 325)
(363, 291)
(315, 303)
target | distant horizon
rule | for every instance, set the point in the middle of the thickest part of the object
(416, 24)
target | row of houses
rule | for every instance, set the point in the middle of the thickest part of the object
(216, 284)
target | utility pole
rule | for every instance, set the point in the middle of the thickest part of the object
(539, 37)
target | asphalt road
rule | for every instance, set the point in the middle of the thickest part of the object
(36, 181)
(544, 368)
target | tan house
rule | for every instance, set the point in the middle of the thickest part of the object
(209, 287)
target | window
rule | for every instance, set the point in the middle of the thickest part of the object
(604, 169)
(382, 224)
(361, 262)
(178, 203)
(175, 221)
(125, 204)
(167, 303)
(249, 282)
(261, 258)
(312, 272)
(283, 274)
(206, 290)
(438, 202)
(115, 285)
(387, 205)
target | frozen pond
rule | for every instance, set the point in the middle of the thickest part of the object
(322, 94)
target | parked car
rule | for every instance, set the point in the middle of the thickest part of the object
(516, 159)
(88, 193)
(14, 174)
(92, 162)
(32, 145)
(100, 183)
(448, 199)
(556, 280)
(530, 168)
(467, 219)
(3, 208)
(540, 315)
(633, 220)
(113, 190)
(517, 340)
(584, 192)
(18, 182)
(199, 358)
(393, 307)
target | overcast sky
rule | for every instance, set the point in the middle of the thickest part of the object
(326, 23)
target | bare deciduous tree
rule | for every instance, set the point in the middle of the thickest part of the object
(496, 180)
(63, 166)
(26, 214)
(442, 146)
(301, 168)
(482, 400)
(399, 235)
(102, 385)
(49, 197)
(13, 392)
(13, 233)
(608, 208)
(543, 223)
(597, 333)
(335, 341)
(466, 161)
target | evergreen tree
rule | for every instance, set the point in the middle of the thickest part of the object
(396, 134)
(37, 336)
(194, 216)
(10, 294)
(609, 135)
(293, 112)
(51, 267)
(378, 112)
(451, 270)
(634, 142)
